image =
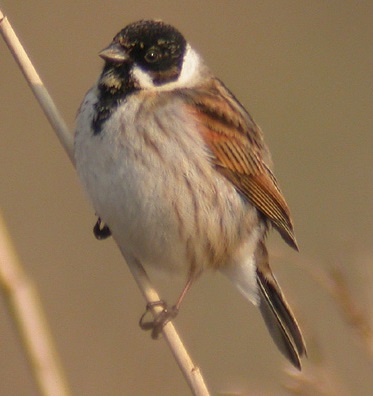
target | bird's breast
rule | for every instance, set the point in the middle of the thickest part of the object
(150, 178)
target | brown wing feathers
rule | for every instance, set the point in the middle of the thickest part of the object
(240, 154)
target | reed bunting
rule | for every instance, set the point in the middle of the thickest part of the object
(179, 173)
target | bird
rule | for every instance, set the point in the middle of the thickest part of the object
(179, 173)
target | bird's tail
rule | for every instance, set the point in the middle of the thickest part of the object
(276, 312)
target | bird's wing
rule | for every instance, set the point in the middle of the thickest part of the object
(238, 151)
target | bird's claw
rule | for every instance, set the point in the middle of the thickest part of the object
(100, 230)
(160, 318)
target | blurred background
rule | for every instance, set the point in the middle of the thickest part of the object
(304, 71)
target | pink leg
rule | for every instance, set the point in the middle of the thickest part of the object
(167, 314)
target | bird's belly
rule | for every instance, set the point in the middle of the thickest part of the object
(162, 199)
(172, 221)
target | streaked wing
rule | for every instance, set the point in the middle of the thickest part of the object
(239, 152)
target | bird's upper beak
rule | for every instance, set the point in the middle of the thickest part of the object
(114, 53)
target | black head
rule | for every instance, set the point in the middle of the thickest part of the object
(153, 46)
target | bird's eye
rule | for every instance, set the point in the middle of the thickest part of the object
(152, 55)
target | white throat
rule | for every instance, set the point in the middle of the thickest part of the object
(192, 71)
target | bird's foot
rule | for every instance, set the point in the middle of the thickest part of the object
(101, 230)
(160, 319)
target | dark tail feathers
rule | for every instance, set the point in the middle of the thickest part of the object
(279, 318)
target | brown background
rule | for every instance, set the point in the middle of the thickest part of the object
(303, 69)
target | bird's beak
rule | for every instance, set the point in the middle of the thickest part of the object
(114, 53)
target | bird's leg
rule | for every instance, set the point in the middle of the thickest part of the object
(167, 313)
(101, 231)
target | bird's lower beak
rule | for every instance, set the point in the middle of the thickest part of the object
(114, 53)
